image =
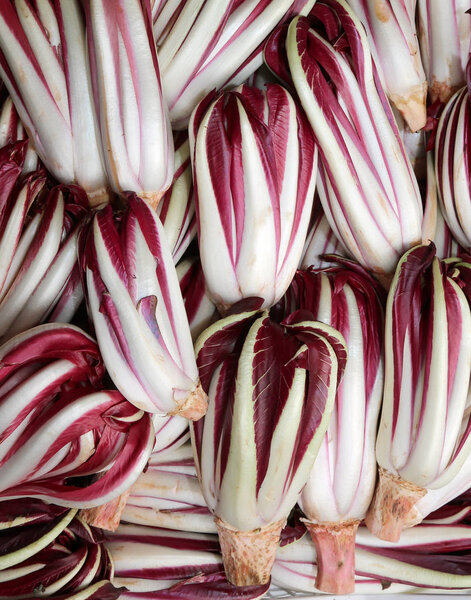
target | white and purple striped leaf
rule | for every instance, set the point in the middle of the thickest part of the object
(162, 565)
(58, 425)
(138, 313)
(38, 242)
(453, 166)
(43, 61)
(427, 560)
(51, 551)
(414, 143)
(176, 210)
(12, 130)
(435, 228)
(254, 166)
(168, 494)
(213, 44)
(320, 240)
(390, 26)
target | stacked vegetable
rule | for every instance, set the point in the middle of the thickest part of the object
(166, 372)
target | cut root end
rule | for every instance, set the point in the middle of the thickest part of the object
(335, 549)
(413, 106)
(194, 406)
(248, 556)
(152, 198)
(107, 516)
(98, 197)
(392, 504)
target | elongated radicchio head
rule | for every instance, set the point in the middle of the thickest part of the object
(43, 61)
(271, 388)
(366, 183)
(138, 313)
(136, 138)
(444, 35)
(254, 165)
(342, 480)
(453, 167)
(63, 438)
(427, 375)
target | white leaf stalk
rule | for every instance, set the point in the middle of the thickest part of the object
(200, 309)
(170, 434)
(452, 166)
(269, 407)
(135, 132)
(340, 486)
(43, 61)
(391, 30)
(169, 495)
(211, 44)
(138, 313)
(435, 229)
(427, 373)
(149, 559)
(414, 145)
(254, 167)
(444, 37)
(384, 567)
(367, 185)
(176, 210)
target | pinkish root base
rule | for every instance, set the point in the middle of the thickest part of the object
(107, 516)
(392, 504)
(335, 549)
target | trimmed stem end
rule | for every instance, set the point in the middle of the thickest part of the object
(194, 406)
(392, 503)
(335, 549)
(248, 556)
(98, 197)
(152, 198)
(107, 516)
(413, 107)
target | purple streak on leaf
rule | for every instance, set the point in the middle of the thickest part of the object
(272, 377)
